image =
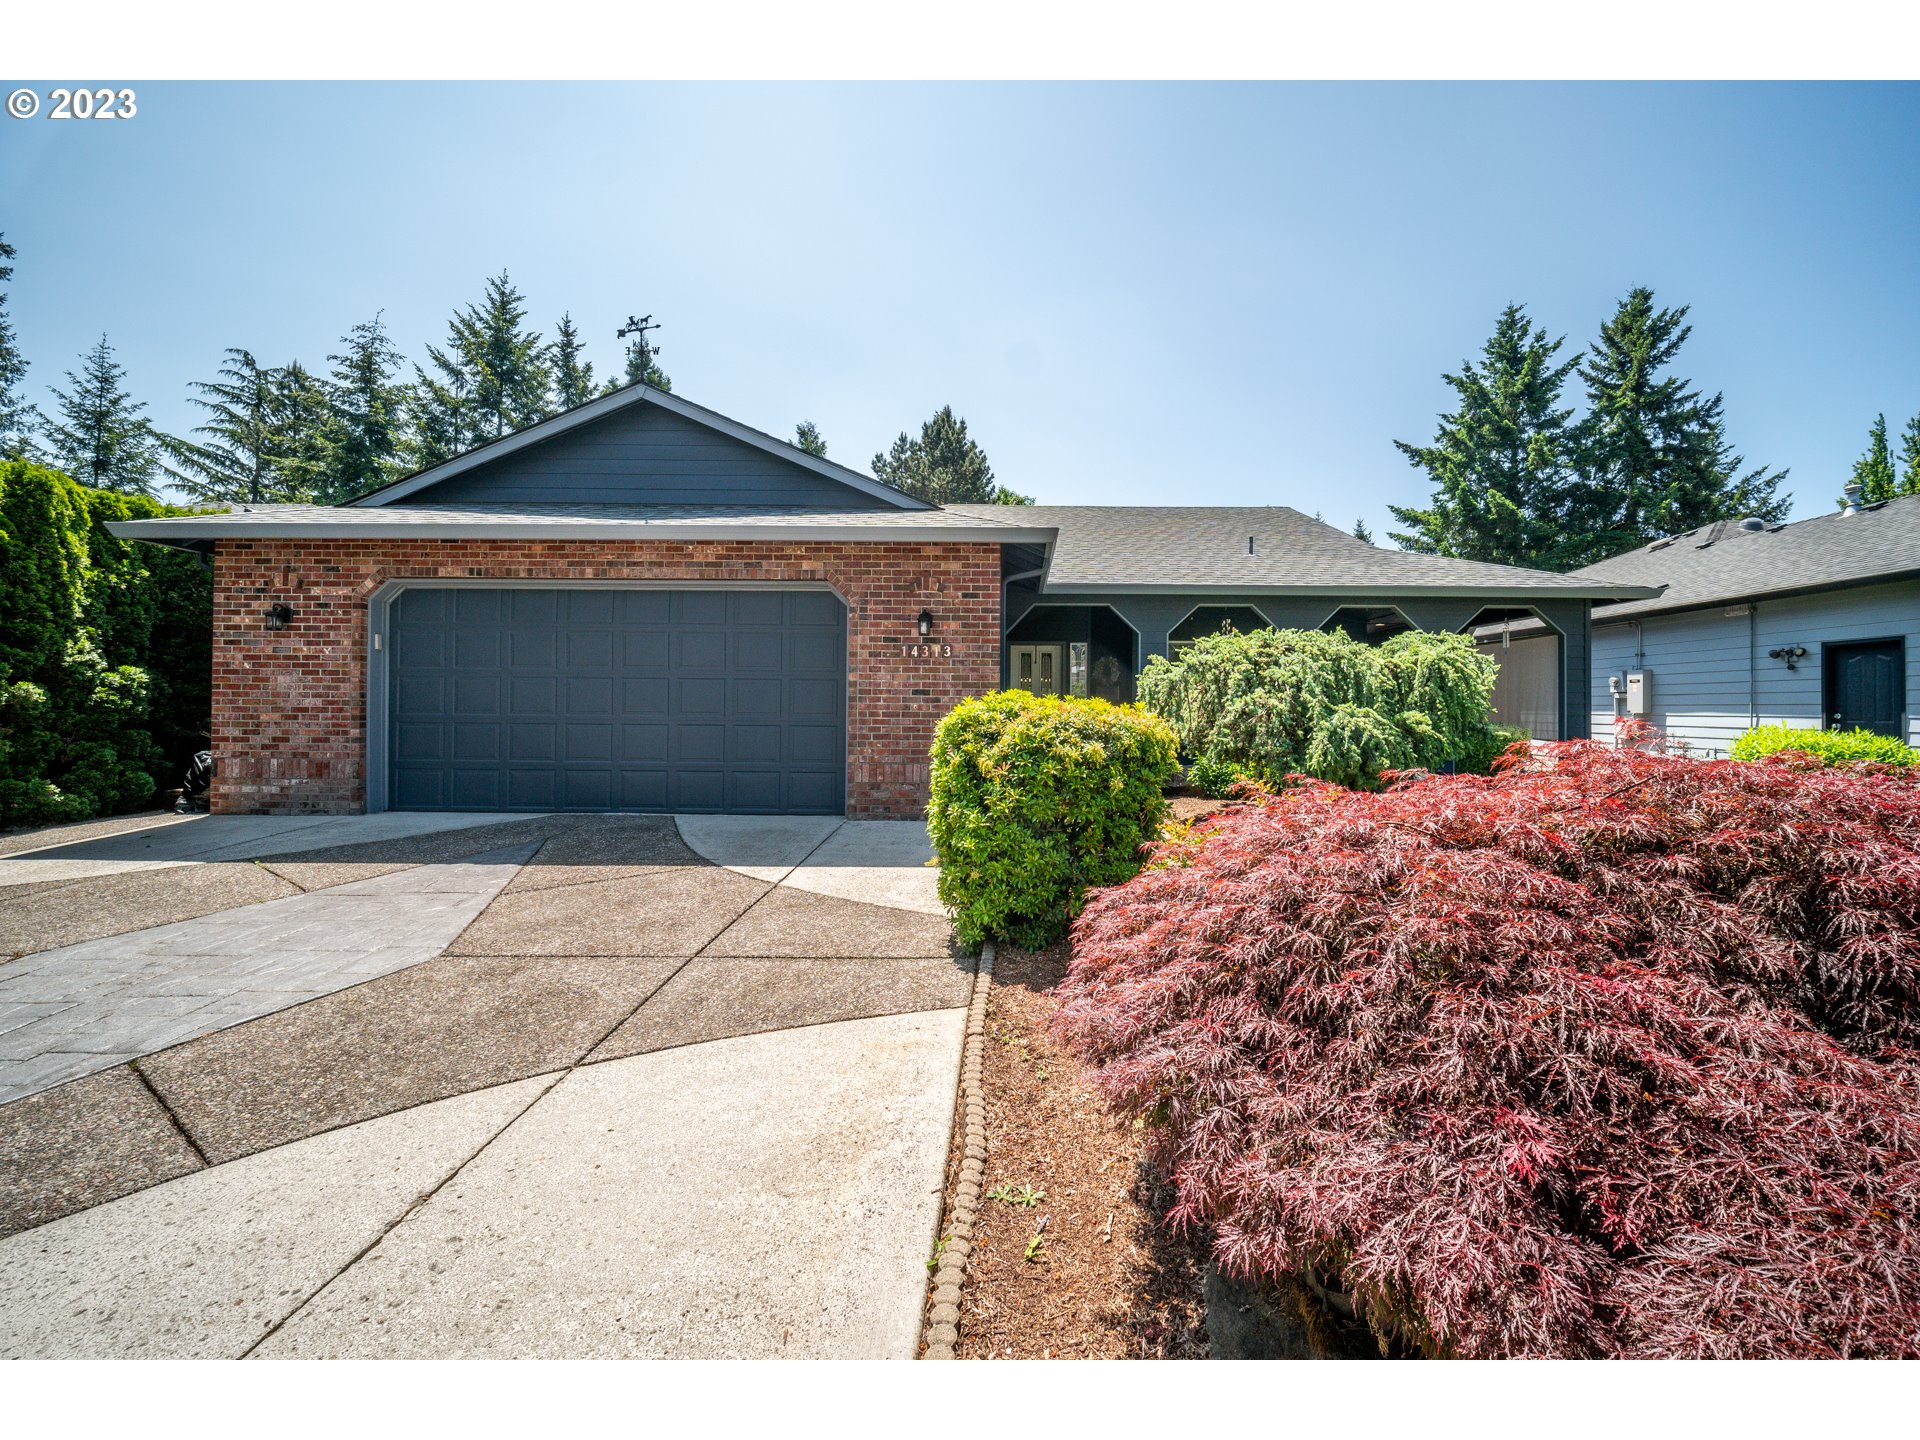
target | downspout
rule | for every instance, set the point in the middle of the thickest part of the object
(1753, 666)
(1005, 582)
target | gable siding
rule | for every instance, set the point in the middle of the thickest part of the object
(643, 455)
(1702, 690)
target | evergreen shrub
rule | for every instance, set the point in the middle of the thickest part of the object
(1274, 703)
(105, 652)
(1035, 800)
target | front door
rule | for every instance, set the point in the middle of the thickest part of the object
(1866, 687)
(1035, 667)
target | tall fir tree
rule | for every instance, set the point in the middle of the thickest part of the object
(1873, 472)
(306, 433)
(490, 379)
(1501, 460)
(369, 412)
(1361, 530)
(807, 436)
(100, 435)
(1910, 458)
(233, 463)
(943, 465)
(1654, 458)
(642, 367)
(572, 375)
(16, 411)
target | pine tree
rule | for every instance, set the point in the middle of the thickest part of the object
(100, 437)
(1873, 471)
(643, 367)
(369, 412)
(1654, 458)
(943, 465)
(491, 379)
(234, 464)
(1500, 461)
(306, 433)
(1910, 458)
(807, 436)
(1361, 532)
(16, 412)
(572, 376)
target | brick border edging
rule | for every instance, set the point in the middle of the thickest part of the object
(942, 1328)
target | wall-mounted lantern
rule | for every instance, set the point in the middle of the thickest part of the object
(926, 623)
(278, 616)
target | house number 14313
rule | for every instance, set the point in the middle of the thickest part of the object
(926, 651)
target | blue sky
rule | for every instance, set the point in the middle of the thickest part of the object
(1134, 294)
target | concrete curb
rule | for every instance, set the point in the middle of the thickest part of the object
(942, 1330)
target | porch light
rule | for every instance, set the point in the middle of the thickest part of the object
(926, 623)
(278, 616)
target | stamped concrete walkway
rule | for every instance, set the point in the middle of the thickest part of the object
(664, 1088)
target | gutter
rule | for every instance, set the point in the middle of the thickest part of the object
(185, 532)
(1490, 593)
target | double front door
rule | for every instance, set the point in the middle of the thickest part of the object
(1036, 668)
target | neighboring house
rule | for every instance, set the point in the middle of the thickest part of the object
(1804, 624)
(643, 605)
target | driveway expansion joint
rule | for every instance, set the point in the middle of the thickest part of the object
(942, 1327)
(168, 1111)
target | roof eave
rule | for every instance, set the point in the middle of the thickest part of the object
(1753, 597)
(185, 533)
(1380, 592)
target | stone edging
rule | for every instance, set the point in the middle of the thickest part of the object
(942, 1331)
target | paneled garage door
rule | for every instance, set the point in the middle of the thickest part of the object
(674, 700)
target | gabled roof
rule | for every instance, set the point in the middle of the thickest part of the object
(1188, 548)
(600, 409)
(1722, 563)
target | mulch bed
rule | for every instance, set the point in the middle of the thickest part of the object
(1107, 1280)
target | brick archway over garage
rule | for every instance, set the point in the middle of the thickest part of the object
(290, 706)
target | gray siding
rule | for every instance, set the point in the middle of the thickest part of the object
(643, 455)
(1712, 680)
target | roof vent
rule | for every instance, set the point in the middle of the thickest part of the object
(1753, 524)
(1852, 491)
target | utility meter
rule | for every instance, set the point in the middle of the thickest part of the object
(1639, 682)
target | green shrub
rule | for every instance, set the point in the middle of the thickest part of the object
(1835, 747)
(1478, 759)
(105, 652)
(1035, 800)
(1214, 779)
(1270, 703)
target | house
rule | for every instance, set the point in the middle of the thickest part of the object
(641, 604)
(1805, 624)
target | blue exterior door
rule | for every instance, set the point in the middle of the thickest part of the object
(653, 700)
(1866, 686)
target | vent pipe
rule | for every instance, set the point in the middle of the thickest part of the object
(1852, 491)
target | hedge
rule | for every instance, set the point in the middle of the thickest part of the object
(105, 652)
(1834, 747)
(1036, 799)
(1610, 1054)
(1270, 703)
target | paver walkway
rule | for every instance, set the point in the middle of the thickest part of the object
(676, 1089)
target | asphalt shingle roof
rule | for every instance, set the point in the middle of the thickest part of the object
(1187, 547)
(1721, 563)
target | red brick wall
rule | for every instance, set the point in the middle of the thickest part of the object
(290, 706)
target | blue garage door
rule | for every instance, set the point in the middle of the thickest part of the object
(673, 700)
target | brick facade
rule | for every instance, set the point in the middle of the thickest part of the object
(290, 706)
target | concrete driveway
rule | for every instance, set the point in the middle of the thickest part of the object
(472, 1085)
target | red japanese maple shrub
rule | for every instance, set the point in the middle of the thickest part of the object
(1606, 1054)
